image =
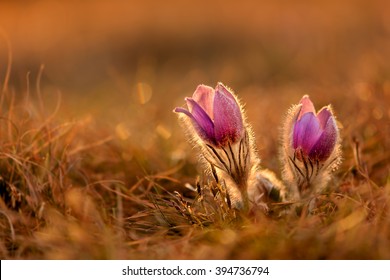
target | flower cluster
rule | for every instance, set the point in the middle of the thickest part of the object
(216, 123)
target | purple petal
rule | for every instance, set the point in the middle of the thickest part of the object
(204, 96)
(202, 123)
(323, 116)
(326, 143)
(228, 123)
(306, 132)
(225, 91)
(182, 110)
(307, 106)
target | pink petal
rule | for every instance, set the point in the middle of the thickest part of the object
(323, 116)
(225, 91)
(228, 124)
(326, 143)
(204, 96)
(307, 106)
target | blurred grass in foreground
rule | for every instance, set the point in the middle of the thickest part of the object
(91, 154)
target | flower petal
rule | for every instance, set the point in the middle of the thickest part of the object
(202, 123)
(225, 91)
(323, 116)
(182, 110)
(204, 96)
(306, 132)
(326, 142)
(307, 106)
(228, 124)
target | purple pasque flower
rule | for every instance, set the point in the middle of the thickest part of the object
(217, 121)
(215, 115)
(311, 148)
(314, 134)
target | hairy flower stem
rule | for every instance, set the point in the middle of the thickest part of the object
(245, 200)
(232, 164)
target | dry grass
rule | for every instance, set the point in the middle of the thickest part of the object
(104, 171)
(69, 192)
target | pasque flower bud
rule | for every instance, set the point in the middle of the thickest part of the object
(215, 115)
(311, 147)
(215, 121)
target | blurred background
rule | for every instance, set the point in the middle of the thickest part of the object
(127, 64)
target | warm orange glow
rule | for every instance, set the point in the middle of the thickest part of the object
(93, 162)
